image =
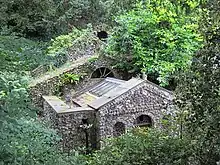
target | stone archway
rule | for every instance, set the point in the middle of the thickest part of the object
(119, 129)
(102, 72)
(143, 121)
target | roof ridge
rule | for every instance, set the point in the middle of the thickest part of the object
(115, 93)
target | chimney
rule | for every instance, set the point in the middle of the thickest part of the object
(144, 76)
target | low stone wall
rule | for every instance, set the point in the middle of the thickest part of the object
(48, 85)
(68, 123)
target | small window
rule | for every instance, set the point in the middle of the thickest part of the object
(143, 121)
(85, 121)
(119, 129)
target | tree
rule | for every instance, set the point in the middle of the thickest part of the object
(156, 37)
(199, 90)
(31, 18)
(23, 139)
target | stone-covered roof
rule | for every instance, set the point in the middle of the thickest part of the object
(104, 92)
(60, 106)
(115, 92)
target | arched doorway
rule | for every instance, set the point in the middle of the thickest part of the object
(119, 129)
(102, 72)
(143, 121)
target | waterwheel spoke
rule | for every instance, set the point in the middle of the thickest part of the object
(108, 73)
(104, 73)
(100, 71)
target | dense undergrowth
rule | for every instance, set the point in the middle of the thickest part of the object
(191, 138)
(24, 139)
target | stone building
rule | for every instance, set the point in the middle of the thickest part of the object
(105, 109)
(104, 103)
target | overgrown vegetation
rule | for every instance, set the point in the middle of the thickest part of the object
(198, 92)
(23, 138)
(43, 19)
(144, 147)
(155, 37)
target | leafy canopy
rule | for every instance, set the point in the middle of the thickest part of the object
(155, 37)
(198, 92)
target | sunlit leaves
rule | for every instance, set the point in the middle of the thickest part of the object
(157, 38)
(198, 90)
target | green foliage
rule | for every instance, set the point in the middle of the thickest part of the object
(92, 59)
(143, 148)
(24, 54)
(198, 91)
(45, 18)
(79, 12)
(23, 139)
(75, 44)
(114, 8)
(70, 78)
(155, 38)
(62, 42)
(32, 18)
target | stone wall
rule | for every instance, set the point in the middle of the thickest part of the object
(145, 99)
(48, 86)
(69, 126)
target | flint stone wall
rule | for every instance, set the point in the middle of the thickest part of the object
(68, 125)
(144, 99)
(48, 86)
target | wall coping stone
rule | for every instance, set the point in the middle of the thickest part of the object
(59, 71)
(60, 106)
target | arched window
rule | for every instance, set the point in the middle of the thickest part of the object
(143, 121)
(102, 72)
(119, 129)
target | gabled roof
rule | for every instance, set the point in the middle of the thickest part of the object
(115, 92)
(109, 89)
(104, 92)
(94, 97)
